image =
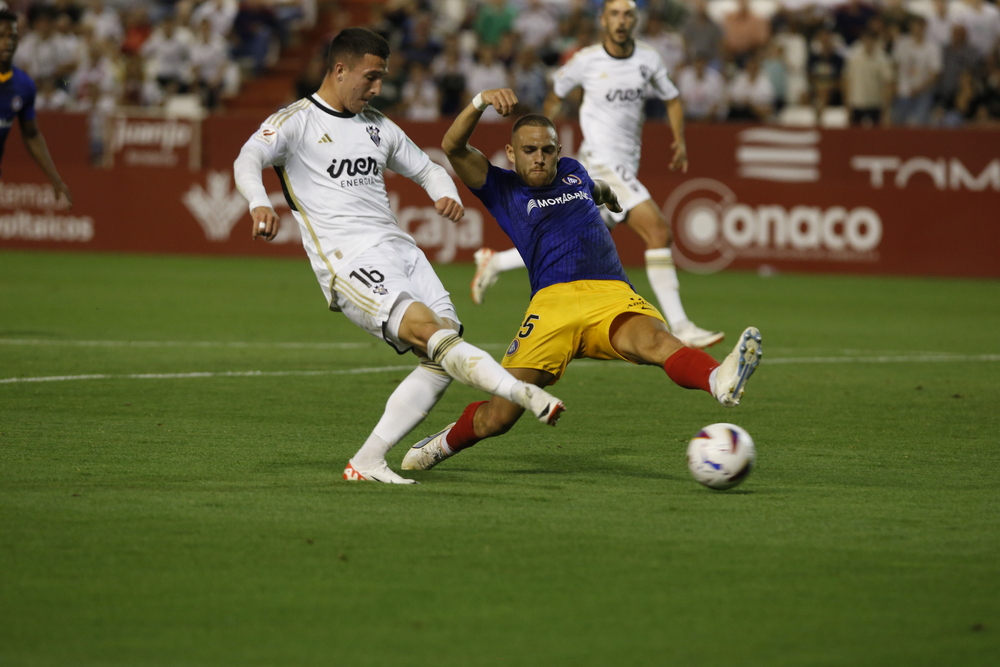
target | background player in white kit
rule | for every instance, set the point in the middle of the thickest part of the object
(330, 151)
(616, 76)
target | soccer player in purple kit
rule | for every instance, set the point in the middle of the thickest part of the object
(17, 100)
(582, 304)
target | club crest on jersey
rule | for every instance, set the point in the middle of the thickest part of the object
(373, 133)
(572, 179)
(645, 72)
(16, 103)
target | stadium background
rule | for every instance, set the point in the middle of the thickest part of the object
(788, 187)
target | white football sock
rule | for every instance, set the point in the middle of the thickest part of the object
(415, 396)
(663, 279)
(507, 260)
(470, 365)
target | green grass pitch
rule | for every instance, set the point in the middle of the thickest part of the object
(149, 516)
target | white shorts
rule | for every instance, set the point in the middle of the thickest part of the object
(367, 288)
(620, 174)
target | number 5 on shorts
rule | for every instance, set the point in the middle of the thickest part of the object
(527, 327)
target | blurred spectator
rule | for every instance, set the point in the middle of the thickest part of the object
(982, 24)
(421, 48)
(895, 16)
(421, 99)
(388, 101)
(918, 63)
(42, 54)
(209, 63)
(50, 98)
(702, 36)
(703, 91)
(137, 30)
(494, 18)
(449, 70)
(486, 73)
(255, 27)
(986, 105)
(69, 8)
(312, 75)
(826, 68)
(851, 19)
(751, 95)
(70, 48)
(939, 23)
(867, 81)
(530, 84)
(796, 56)
(959, 59)
(221, 15)
(668, 43)
(744, 33)
(772, 64)
(103, 21)
(98, 76)
(168, 54)
(507, 49)
(536, 24)
(138, 89)
(584, 36)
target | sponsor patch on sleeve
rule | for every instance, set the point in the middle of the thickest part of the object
(267, 134)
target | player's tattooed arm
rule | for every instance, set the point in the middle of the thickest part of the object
(603, 194)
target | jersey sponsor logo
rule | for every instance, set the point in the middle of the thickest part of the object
(358, 167)
(556, 201)
(373, 133)
(628, 95)
(16, 103)
(572, 179)
(267, 135)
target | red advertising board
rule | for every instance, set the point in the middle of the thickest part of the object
(887, 201)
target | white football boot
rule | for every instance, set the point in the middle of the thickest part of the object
(486, 274)
(377, 473)
(428, 452)
(731, 377)
(546, 407)
(694, 336)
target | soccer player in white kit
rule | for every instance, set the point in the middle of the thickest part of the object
(330, 151)
(616, 77)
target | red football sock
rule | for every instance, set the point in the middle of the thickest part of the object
(462, 435)
(690, 368)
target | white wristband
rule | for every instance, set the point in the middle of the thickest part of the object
(477, 102)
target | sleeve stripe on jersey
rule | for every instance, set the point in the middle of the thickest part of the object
(286, 185)
(286, 113)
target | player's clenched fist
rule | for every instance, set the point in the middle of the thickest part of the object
(265, 223)
(449, 208)
(503, 100)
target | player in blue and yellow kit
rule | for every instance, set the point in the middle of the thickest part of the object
(582, 304)
(17, 100)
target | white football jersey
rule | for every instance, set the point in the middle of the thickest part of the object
(614, 97)
(332, 169)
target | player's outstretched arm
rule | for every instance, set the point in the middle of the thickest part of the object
(603, 194)
(470, 164)
(35, 143)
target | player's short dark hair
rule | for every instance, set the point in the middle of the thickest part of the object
(7, 16)
(352, 44)
(534, 120)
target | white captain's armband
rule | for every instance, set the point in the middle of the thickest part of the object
(267, 134)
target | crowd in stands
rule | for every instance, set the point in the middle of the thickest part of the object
(835, 62)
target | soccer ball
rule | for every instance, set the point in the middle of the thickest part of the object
(721, 456)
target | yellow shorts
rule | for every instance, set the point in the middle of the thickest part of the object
(571, 321)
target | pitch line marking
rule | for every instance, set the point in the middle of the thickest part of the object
(921, 358)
